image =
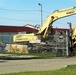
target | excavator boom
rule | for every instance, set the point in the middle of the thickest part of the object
(53, 17)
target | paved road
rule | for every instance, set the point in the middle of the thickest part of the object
(9, 66)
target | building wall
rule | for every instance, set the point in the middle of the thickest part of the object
(7, 36)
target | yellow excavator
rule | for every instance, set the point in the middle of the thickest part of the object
(45, 28)
(74, 36)
(73, 40)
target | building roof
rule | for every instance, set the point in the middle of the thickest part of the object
(16, 29)
(37, 26)
(26, 29)
(60, 30)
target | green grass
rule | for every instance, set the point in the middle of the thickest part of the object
(38, 55)
(46, 55)
(69, 70)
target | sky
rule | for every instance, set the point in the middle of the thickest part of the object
(22, 12)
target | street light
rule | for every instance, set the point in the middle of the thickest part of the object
(41, 11)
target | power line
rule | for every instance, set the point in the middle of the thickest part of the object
(24, 20)
(22, 10)
(17, 10)
(46, 11)
(26, 11)
(27, 20)
(18, 19)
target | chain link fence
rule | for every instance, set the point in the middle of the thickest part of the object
(54, 43)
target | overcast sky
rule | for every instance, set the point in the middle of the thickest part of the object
(22, 12)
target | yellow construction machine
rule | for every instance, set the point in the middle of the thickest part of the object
(45, 28)
(73, 40)
(74, 36)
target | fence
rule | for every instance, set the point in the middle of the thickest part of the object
(54, 43)
(6, 38)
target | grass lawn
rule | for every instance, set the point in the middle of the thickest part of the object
(69, 70)
(38, 55)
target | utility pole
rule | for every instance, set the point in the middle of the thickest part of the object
(41, 11)
(70, 35)
(70, 25)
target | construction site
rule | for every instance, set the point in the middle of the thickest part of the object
(36, 39)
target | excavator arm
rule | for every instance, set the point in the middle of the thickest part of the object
(46, 27)
(53, 17)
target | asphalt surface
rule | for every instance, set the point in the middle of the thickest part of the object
(26, 64)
